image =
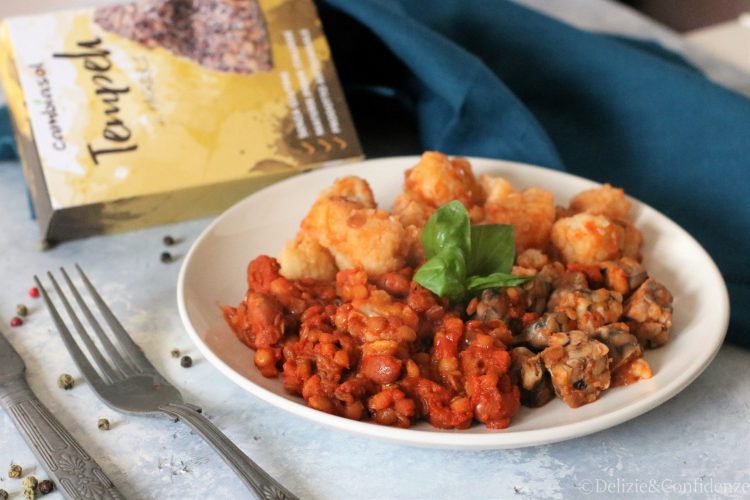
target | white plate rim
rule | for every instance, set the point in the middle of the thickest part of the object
(457, 439)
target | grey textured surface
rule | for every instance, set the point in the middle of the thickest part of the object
(696, 445)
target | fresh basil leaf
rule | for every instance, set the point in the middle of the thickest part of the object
(448, 226)
(493, 249)
(495, 280)
(444, 274)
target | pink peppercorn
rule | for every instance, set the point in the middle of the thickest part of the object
(33, 292)
(16, 321)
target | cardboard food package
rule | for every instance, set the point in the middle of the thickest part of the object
(162, 110)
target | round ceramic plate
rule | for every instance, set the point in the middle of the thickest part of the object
(213, 273)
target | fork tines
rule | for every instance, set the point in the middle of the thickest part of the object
(124, 357)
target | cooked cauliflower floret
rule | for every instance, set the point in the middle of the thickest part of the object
(410, 211)
(632, 239)
(353, 189)
(437, 180)
(303, 257)
(357, 237)
(433, 182)
(588, 238)
(604, 200)
(495, 189)
(531, 211)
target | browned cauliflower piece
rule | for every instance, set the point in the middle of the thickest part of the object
(303, 257)
(579, 369)
(531, 211)
(351, 188)
(587, 238)
(604, 200)
(345, 222)
(632, 239)
(649, 313)
(433, 182)
(527, 370)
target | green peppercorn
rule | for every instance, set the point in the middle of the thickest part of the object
(3, 494)
(29, 483)
(175, 353)
(103, 424)
(186, 362)
(46, 486)
(15, 471)
(22, 310)
(66, 381)
(29, 494)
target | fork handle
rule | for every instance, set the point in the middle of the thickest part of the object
(77, 475)
(255, 478)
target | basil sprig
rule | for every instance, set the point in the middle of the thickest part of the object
(462, 258)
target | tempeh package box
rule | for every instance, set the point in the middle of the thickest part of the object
(162, 110)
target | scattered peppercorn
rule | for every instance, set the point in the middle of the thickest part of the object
(22, 310)
(103, 424)
(16, 321)
(66, 381)
(166, 257)
(33, 292)
(169, 241)
(186, 362)
(29, 494)
(175, 353)
(15, 471)
(46, 486)
(29, 483)
(3, 494)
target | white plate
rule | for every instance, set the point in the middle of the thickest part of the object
(213, 273)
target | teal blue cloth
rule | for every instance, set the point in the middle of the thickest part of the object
(492, 78)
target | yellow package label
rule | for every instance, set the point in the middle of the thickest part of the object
(158, 96)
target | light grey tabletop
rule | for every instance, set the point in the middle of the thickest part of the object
(695, 445)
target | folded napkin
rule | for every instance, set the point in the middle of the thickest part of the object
(495, 79)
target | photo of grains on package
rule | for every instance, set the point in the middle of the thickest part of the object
(223, 35)
(154, 111)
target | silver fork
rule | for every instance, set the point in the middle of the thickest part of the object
(126, 381)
